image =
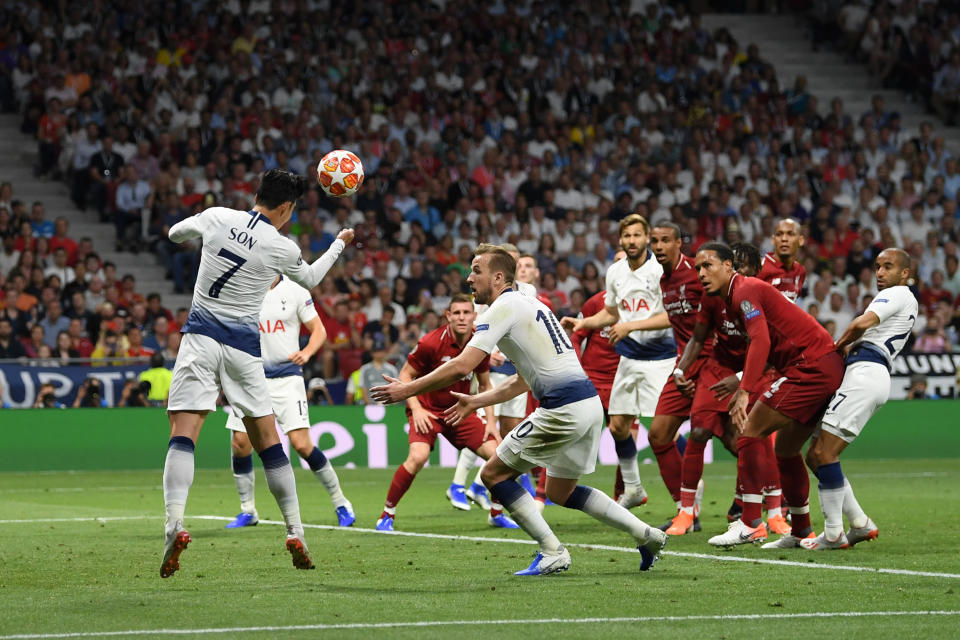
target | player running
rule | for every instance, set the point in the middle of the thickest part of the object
(641, 334)
(782, 270)
(562, 434)
(242, 253)
(286, 306)
(509, 413)
(874, 339)
(810, 371)
(424, 411)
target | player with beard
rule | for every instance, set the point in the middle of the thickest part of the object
(640, 332)
(874, 339)
(709, 414)
(809, 369)
(562, 434)
(509, 414)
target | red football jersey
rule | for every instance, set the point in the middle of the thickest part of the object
(787, 281)
(434, 349)
(682, 293)
(780, 332)
(730, 340)
(597, 356)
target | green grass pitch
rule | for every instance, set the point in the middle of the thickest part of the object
(60, 575)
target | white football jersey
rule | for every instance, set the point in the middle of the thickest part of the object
(897, 309)
(284, 309)
(528, 333)
(242, 254)
(637, 296)
(526, 289)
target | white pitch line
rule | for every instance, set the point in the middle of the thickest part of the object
(487, 623)
(603, 547)
(596, 547)
(80, 519)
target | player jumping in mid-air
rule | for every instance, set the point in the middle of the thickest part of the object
(509, 413)
(286, 306)
(874, 339)
(242, 253)
(809, 371)
(641, 334)
(424, 411)
(562, 434)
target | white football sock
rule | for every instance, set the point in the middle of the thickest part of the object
(851, 508)
(464, 463)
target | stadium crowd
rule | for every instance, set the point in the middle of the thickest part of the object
(539, 124)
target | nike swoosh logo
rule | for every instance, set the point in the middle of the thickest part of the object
(745, 536)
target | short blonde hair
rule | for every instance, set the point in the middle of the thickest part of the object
(632, 219)
(500, 260)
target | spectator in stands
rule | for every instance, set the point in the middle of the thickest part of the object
(134, 198)
(10, 346)
(53, 323)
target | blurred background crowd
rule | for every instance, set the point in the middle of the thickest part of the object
(536, 123)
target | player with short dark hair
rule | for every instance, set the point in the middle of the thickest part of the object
(873, 339)
(641, 334)
(810, 371)
(242, 253)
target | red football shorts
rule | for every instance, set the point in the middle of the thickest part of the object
(672, 402)
(468, 434)
(708, 412)
(802, 391)
(604, 392)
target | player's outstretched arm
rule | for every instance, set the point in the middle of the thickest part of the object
(310, 275)
(857, 328)
(187, 229)
(443, 376)
(467, 404)
(603, 318)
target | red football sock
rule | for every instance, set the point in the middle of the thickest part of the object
(692, 471)
(402, 480)
(541, 486)
(749, 469)
(668, 459)
(796, 490)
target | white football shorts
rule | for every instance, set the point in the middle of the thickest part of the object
(564, 440)
(865, 388)
(289, 399)
(637, 386)
(205, 366)
(515, 407)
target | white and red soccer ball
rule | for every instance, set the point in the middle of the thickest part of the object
(340, 173)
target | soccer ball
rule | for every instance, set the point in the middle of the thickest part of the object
(340, 173)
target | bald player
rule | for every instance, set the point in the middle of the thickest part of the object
(874, 339)
(781, 268)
